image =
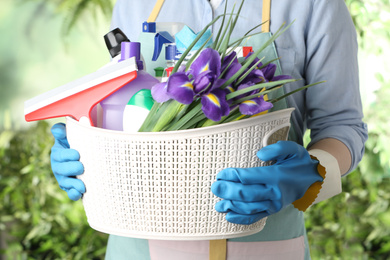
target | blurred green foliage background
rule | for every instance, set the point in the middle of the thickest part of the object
(46, 44)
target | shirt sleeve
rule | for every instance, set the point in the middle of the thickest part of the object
(334, 109)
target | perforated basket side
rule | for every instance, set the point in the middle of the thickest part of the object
(158, 186)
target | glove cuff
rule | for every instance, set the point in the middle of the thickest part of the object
(332, 184)
(313, 191)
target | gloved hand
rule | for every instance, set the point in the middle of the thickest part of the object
(65, 164)
(250, 194)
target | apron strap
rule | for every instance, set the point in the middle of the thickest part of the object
(156, 10)
(217, 249)
(266, 16)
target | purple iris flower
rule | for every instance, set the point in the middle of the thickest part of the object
(256, 75)
(214, 105)
(254, 106)
(160, 93)
(180, 88)
(200, 81)
(208, 59)
(233, 69)
(269, 73)
(230, 59)
(204, 82)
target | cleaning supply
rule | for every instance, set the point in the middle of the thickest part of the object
(114, 105)
(113, 40)
(158, 72)
(150, 44)
(171, 55)
(160, 40)
(186, 36)
(77, 98)
(136, 110)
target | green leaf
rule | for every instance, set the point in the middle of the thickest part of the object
(192, 123)
(168, 115)
(254, 56)
(186, 118)
(189, 62)
(153, 115)
(226, 27)
(295, 91)
(257, 87)
(189, 48)
(262, 93)
(220, 29)
(247, 73)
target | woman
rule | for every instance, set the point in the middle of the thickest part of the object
(320, 45)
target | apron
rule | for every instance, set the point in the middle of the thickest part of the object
(284, 235)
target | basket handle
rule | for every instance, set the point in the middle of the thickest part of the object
(281, 131)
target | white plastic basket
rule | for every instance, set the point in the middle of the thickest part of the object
(157, 185)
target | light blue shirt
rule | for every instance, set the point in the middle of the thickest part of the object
(320, 45)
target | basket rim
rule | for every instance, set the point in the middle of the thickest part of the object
(189, 132)
(181, 237)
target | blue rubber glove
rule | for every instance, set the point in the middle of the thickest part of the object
(65, 164)
(250, 194)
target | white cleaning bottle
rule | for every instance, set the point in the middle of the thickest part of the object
(136, 110)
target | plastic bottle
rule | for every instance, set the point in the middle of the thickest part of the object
(113, 40)
(171, 55)
(114, 105)
(136, 110)
(147, 37)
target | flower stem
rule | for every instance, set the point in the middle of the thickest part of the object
(168, 115)
(258, 86)
(187, 117)
(294, 91)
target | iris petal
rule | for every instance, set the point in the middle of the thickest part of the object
(233, 69)
(218, 83)
(214, 105)
(255, 76)
(243, 86)
(203, 82)
(180, 88)
(254, 61)
(231, 58)
(208, 59)
(269, 71)
(159, 92)
(254, 106)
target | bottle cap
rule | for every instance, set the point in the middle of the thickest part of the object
(142, 98)
(149, 27)
(131, 49)
(170, 52)
(113, 41)
(169, 71)
(159, 71)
